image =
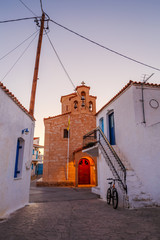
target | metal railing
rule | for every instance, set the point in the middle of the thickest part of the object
(111, 157)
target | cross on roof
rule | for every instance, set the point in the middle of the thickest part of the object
(83, 83)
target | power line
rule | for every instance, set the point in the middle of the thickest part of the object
(19, 58)
(28, 8)
(63, 66)
(60, 60)
(106, 48)
(19, 19)
(18, 46)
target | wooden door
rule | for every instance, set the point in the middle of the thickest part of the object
(112, 129)
(84, 171)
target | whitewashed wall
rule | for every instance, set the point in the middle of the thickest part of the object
(14, 193)
(138, 142)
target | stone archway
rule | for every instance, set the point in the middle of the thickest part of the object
(84, 171)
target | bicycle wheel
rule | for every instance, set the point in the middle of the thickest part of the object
(108, 196)
(115, 199)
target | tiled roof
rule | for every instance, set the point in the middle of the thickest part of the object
(78, 150)
(37, 145)
(82, 86)
(71, 94)
(125, 88)
(56, 116)
(14, 99)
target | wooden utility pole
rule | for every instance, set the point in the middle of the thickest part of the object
(35, 76)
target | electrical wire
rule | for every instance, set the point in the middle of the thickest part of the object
(17, 46)
(106, 48)
(27, 8)
(60, 60)
(63, 66)
(19, 19)
(19, 58)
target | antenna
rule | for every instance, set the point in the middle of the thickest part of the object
(145, 80)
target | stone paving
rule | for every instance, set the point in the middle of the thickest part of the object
(77, 214)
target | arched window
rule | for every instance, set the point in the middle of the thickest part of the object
(83, 98)
(75, 105)
(90, 106)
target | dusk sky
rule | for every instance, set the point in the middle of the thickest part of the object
(126, 26)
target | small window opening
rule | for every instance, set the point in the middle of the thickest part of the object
(66, 133)
(83, 98)
(90, 106)
(75, 104)
(19, 158)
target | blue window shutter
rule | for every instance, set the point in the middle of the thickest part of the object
(33, 152)
(37, 155)
(101, 124)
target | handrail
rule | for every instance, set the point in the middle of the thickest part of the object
(94, 138)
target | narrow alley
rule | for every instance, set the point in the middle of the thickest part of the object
(77, 214)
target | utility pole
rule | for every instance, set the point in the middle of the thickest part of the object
(35, 76)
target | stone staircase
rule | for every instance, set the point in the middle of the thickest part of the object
(136, 196)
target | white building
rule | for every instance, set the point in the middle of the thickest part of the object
(37, 158)
(131, 123)
(16, 141)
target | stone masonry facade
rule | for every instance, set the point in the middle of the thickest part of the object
(78, 112)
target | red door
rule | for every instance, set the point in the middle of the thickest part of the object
(84, 171)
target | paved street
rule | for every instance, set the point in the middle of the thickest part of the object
(77, 214)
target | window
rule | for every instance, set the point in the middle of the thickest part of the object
(90, 106)
(83, 98)
(36, 154)
(19, 158)
(75, 105)
(66, 133)
(101, 124)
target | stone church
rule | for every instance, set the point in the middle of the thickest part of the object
(65, 164)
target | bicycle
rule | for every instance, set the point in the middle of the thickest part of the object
(112, 193)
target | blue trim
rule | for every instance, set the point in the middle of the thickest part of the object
(16, 163)
(101, 124)
(112, 129)
(36, 154)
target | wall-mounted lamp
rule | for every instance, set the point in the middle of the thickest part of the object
(25, 131)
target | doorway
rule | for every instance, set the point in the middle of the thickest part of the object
(112, 129)
(84, 171)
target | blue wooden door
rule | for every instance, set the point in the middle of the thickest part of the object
(111, 129)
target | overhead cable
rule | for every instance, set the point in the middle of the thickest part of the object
(63, 66)
(106, 48)
(19, 19)
(60, 60)
(19, 58)
(28, 8)
(18, 46)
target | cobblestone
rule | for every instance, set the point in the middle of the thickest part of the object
(77, 214)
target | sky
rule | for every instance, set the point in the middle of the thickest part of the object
(126, 26)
